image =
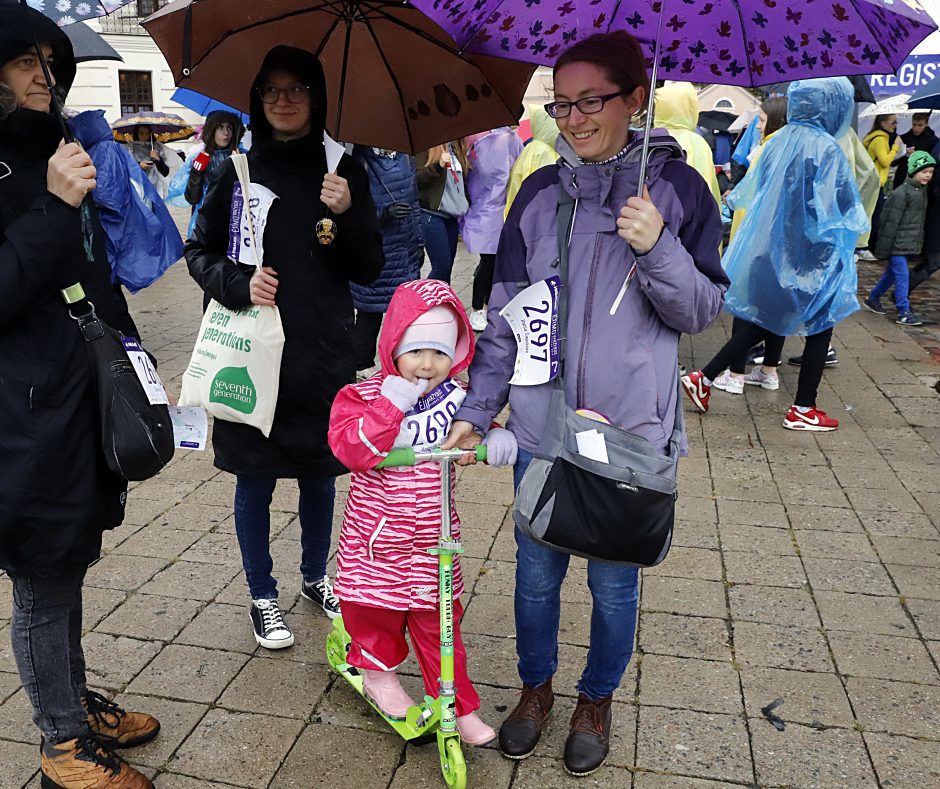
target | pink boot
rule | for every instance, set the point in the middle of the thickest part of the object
(386, 692)
(474, 731)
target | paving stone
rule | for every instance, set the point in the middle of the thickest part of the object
(695, 534)
(774, 605)
(195, 517)
(540, 773)
(218, 492)
(704, 685)
(220, 626)
(683, 596)
(191, 580)
(277, 687)
(903, 550)
(884, 657)
(16, 720)
(916, 581)
(177, 720)
(141, 511)
(900, 761)
(689, 563)
(823, 495)
(926, 614)
(896, 707)
(188, 673)
(863, 500)
(708, 745)
(644, 780)
(20, 762)
(915, 525)
(808, 697)
(805, 758)
(241, 746)
(113, 661)
(158, 541)
(215, 549)
(836, 545)
(310, 628)
(421, 768)
(150, 616)
(112, 538)
(175, 781)
(97, 603)
(815, 518)
(752, 568)
(755, 539)
(752, 514)
(848, 576)
(9, 684)
(863, 614)
(125, 573)
(774, 646)
(682, 636)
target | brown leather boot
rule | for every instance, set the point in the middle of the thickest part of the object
(116, 727)
(83, 763)
(589, 739)
(521, 731)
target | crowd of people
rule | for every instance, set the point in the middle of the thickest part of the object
(373, 354)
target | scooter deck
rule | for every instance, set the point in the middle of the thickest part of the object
(421, 721)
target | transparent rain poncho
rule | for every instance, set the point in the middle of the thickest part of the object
(792, 265)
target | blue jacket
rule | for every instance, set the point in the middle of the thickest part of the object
(142, 238)
(391, 180)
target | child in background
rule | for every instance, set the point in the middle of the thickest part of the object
(386, 579)
(901, 233)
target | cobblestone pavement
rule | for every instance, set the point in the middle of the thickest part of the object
(805, 568)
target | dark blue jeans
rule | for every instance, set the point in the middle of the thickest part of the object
(540, 572)
(46, 634)
(253, 527)
(440, 242)
(897, 274)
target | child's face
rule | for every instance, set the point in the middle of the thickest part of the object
(924, 176)
(427, 364)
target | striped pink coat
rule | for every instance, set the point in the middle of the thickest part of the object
(393, 515)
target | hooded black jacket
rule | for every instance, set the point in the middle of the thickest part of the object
(56, 494)
(313, 282)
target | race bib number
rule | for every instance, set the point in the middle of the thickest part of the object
(427, 424)
(239, 236)
(146, 372)
(533, 317)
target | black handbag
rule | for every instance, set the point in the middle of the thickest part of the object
(621, 511)
(136, 436)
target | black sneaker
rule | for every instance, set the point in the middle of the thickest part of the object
(756, 354)
(271, 631)
(321, 593)
(831, 359)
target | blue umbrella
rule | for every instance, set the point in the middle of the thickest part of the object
(197, 102)
(926, 97)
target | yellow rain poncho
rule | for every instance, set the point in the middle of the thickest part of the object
(537, 153)
(867, 178)
(677, 113)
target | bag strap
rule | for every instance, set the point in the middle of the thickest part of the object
(567, 207)
(241, 170)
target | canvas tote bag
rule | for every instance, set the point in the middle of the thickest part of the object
(235, 368)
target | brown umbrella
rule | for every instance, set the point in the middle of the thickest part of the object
(394, 78)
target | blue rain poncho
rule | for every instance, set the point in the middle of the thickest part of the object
(792, 264)
(142, 238)
(176, 191)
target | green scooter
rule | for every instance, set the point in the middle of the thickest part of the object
(433, 716)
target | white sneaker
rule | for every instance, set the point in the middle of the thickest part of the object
(271, 631)
(864, 254)
(729, 383)
(478, 320)
(758, 377)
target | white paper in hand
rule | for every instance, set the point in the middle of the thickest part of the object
(334, 152)
(190, 427)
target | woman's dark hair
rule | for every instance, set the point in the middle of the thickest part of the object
(879, 119)
(775, 108)
(216, 119)
(618, 54)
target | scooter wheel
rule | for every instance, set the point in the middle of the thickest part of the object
(453, 765)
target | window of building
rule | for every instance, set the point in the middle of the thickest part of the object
(147, 7)
(136, 91)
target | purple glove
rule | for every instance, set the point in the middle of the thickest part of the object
(402, 392)
(501, 447)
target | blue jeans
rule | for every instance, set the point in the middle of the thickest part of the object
(440, 242)
(253, 527)
(46, 634)
(898, 275)
(540, 572)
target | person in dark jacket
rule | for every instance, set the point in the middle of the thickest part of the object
(920, 137)
(395, 194)
(58, 495)
(442, 173)
(931, 262)
(900, 234)
(309, 283)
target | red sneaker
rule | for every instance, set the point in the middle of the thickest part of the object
(698, 391)
(814, 420)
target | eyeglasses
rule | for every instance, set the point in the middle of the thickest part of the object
(589, 105)
(296, 93)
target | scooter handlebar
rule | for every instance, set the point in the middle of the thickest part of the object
(408, 456)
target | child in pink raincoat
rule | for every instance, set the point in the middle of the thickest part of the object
(386, 579)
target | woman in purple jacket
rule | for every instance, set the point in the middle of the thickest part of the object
(622, 352)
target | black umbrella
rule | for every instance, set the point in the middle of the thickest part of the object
(88, 45)
(863, 94)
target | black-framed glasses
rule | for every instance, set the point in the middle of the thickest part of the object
(586, 106)
(296, 93)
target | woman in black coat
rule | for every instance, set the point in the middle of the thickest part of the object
(309, 283)
(58, 495)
